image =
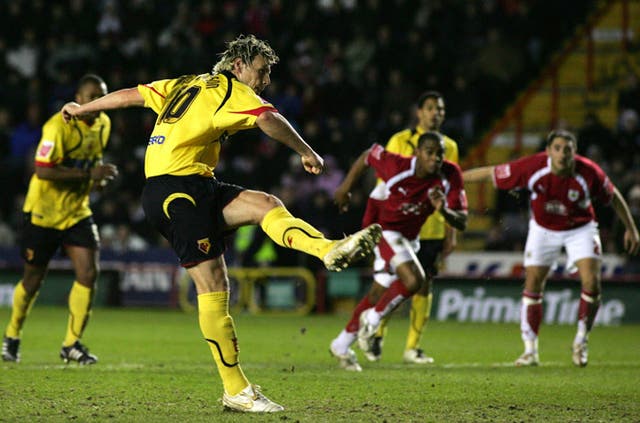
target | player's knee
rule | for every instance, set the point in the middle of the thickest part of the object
(272, 201)
(414, 281)
(591, 283)
(87, 276)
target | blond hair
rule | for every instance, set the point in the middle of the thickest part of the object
(246, 47)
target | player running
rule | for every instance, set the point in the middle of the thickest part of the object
(415, 187)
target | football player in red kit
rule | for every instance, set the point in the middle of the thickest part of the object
(563, 187)
(416, 186)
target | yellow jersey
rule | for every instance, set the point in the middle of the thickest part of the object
(195, 114)
(405, 143)
(62, 204)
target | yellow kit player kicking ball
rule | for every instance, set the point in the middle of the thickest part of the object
(193, 210)
(56, 213)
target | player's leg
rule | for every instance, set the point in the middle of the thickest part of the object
(589, 270)
(584, 249)
(189, 212)
(24, 296)
(37, 247)
(400, 254)
(255, 207)
(429, 256)
(531, 314)
(217, 327)
(340, 346)
(418, 318)
(85, 264)
(541, 250)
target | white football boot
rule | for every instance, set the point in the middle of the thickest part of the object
(347, 361)
(580, 354)
(250, 400)
(352, 248)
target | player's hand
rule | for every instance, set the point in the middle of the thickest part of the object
(341, 198)
(436, 196)
(70, 111)
(104, 172)
(631, 242)
(312, 163)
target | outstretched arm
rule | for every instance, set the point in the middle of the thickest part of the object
(343, 192)
(277, 127)
(631, 236)
(127, 97)
(479, 174)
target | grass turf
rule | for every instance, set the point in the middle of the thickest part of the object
(154, 366)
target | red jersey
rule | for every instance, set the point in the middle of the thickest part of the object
(406, 204)
(557, 202)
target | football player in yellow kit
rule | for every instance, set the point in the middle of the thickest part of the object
(193, 210)
(68, 162)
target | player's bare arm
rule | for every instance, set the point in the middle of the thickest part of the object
(128, 97)
(450, 241)
(277, 127)
(456, 218)
(631, 236)
(479, 174)
(103, 172)
(343, 193)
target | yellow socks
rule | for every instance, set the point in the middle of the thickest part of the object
(22, 303)
(217, 327)
(80, 300)
(291, 232)
(419, 316)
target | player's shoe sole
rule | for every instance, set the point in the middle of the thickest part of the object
(352, 248)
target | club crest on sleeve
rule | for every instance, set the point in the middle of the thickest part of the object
(503, 171)
(204, 245)
(45, 149)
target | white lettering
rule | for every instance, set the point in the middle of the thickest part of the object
(450, 303)
(559, 308)
(145, 280)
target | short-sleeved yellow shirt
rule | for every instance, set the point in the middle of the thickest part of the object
(195, 114)
(405, 143)
(62, 204)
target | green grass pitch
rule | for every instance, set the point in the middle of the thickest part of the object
(154, 367)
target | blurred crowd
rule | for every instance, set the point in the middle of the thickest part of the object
(349, 73)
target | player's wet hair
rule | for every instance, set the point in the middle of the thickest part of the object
(90, 78)
(427, 95)
(430, 136)
(561, 133)
(246, 47)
